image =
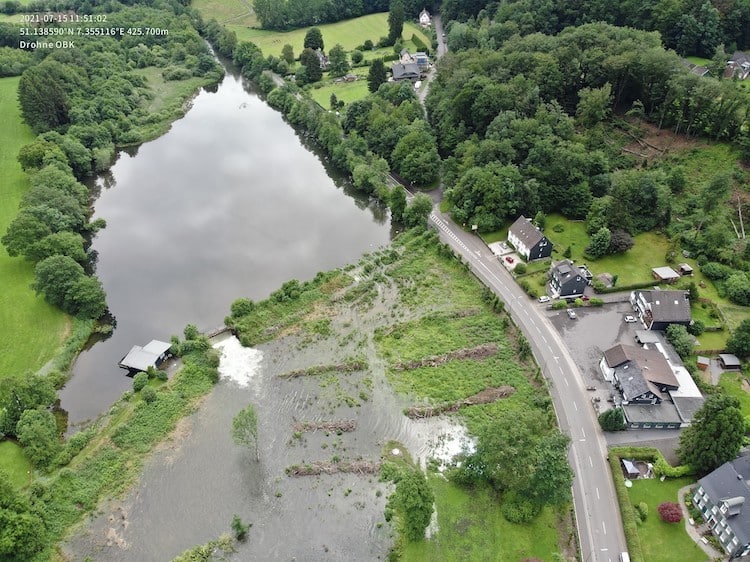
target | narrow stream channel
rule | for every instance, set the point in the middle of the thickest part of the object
(228, 203)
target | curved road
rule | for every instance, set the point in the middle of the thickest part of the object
(597, 511)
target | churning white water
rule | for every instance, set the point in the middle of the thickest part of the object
(238, 364)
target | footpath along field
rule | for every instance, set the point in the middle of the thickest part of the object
(30, 329)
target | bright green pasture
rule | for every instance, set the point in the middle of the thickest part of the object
(348, 33)
(30, 329)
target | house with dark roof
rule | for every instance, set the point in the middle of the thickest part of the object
(721, 497)
(528, 240)
(738, 66)
(658, 309)
(655, 392)
(566, 280)
(408, 71)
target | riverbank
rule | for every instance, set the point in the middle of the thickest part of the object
(337, 334)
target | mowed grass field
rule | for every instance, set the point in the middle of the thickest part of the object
(30, 329)
(236, 15)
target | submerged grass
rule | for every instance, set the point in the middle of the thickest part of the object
(112, 460)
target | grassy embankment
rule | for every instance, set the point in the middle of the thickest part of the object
(30, 329)
(438, 309)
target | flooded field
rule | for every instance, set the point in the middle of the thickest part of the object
(196, 482)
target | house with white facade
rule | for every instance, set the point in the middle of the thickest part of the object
(721, 497)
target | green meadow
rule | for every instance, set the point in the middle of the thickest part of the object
(30, 329)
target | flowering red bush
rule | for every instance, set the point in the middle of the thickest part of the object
(670, 512)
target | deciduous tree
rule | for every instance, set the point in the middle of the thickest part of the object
(313, 39)
(245, 429)
(377, 75)
(37, 432)
(739, 342)
(396, 18)
(715, 436)
(339, 66)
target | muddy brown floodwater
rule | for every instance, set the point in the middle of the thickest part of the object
(199, 479)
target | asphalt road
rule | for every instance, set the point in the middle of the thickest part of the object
(597, 511)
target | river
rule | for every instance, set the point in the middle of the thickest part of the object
(229, 203)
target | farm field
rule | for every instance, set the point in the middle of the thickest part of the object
(30, 329)
(235, 15)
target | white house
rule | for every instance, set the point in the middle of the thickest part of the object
(424, 18)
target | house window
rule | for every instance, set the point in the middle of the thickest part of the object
(723, 508)
(646, 426)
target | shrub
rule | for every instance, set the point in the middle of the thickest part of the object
(642, 509)
(239, 528)
(357, 56)
(612, 420)
(140, 380)
(596, 302)
(520, 268)
(518, 509)
(148, 394)
(696, 328)
(716, 271)
(559, 305)
(670, 512)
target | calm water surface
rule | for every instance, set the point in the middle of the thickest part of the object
(229, 203)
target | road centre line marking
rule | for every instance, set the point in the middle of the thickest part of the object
(597, 497)
(591, 462)
(575, 406)
(604, 527)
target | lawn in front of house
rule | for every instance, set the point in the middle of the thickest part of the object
(30, 329)
(665, 542)
(471, 528)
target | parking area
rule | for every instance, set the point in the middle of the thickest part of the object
(589, 334)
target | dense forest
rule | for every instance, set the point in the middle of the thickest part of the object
(691, 27)
(528, 122)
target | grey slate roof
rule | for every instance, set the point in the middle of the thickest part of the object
(727, 482)
(651, 413)
(526, 232)
(687, 406)
(633, 382)
(730, 360)
(668, 306)
(405, 71)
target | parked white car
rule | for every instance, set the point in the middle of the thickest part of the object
(571, 313)
(544, 298)
(629, 318)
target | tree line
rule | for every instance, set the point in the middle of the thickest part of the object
(690, 27)
(84, 102)
(288, 14)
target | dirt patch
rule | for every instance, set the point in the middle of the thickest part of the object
(361, 467)
(649, 142)
(479, 352)
(486, 396)
(337, 426)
